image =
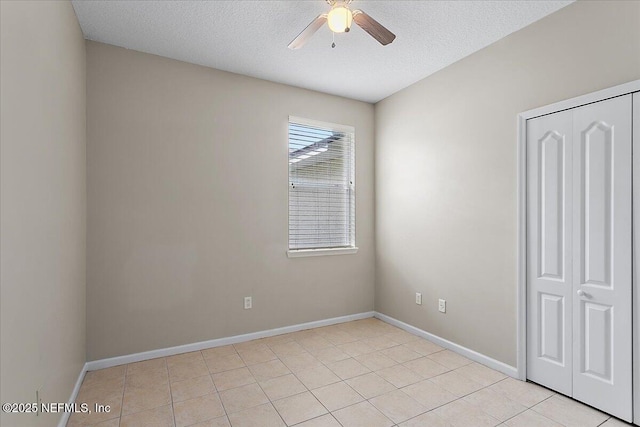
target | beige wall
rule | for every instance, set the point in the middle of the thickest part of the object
(187, 206)
(43, 205)
(446, 169)
(187, 193)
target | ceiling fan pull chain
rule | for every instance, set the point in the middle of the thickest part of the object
(333, 36)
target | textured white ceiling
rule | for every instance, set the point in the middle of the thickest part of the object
(251, 37)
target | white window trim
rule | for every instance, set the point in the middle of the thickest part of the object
(318, 123)
(301, 253)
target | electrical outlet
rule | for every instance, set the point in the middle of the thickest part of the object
(247, 303)
(442, 306)
(418, 298)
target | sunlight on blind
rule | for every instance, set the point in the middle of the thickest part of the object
(321, 185)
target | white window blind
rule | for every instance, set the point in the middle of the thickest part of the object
(321, 185)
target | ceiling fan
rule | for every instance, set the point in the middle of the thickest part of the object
(339, 20)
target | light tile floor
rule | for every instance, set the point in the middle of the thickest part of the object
(363, 373)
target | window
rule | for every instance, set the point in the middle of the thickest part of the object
(321, 187)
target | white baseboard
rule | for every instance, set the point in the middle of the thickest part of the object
(457, 348)
(64, 419)
(170, 351)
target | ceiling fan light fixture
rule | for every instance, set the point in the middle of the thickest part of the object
(340, 19)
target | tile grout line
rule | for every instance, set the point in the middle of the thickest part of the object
(268, 398)
(215, 388)
(278, 358)
(173, 409)
(530, 408)
(354, 357)
(124, 389)
(343, 380)
(347, 384)
(370, 371)
(310, 390)
(468, 394)
(217, 392)
(312, 352)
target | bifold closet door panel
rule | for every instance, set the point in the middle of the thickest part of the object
(579, 249)
(636, 251)
(602, 217)
(549, 253)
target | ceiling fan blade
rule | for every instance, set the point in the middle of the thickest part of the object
(306, 34)
(373, 27)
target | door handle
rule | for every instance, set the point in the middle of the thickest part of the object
(581, 293)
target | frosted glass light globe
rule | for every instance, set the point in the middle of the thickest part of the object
(340, 19)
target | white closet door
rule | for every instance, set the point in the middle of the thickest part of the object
(549, 231)
(602, 369)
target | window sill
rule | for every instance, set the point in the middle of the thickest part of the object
(299, 253)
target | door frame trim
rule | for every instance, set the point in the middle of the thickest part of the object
(635, 230)
(521, 233)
